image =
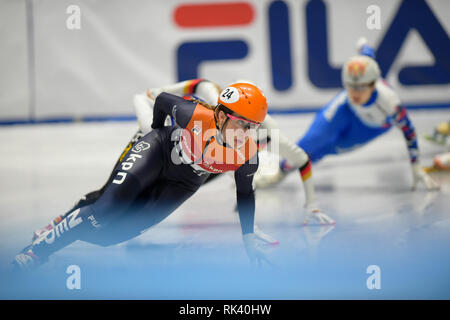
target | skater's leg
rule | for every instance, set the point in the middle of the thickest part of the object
(164, 198)
(357, 135)
(90, 197)
(137, 172)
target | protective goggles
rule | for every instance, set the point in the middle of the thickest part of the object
(244, 123)
(359, 87)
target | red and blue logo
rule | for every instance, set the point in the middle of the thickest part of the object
(411, 15)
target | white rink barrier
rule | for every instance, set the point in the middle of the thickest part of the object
(76, 59)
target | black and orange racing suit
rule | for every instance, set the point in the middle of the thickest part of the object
(156, 175)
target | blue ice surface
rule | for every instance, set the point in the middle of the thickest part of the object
(379, 222)
(416, 268)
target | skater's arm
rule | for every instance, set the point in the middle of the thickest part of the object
(246, 195)
(252, 236)
(298, 158)
(180, 88)
(308, 184)
(201, 88)
(295, 156)
(144, 103)
(403, 122)
(178, 108)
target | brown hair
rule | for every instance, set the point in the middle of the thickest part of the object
(203, 103)
(216, 108)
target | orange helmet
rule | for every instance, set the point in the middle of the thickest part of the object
(245, 99)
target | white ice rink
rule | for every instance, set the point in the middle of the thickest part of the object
(197, 252)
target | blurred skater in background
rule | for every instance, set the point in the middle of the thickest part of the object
(441, 136)
(364, 110)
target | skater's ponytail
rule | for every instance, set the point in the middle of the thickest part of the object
(203, 103)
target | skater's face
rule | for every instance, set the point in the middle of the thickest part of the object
(235, 131)
(361, 94)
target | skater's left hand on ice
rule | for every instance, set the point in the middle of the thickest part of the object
(256, 250)
(420, 175)
(317, 216)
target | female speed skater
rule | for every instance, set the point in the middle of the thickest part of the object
(364, 110)
(208, 91)
(163, 169)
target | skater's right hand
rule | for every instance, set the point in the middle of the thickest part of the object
(316, 215)
(419, 175)
(256, 250)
